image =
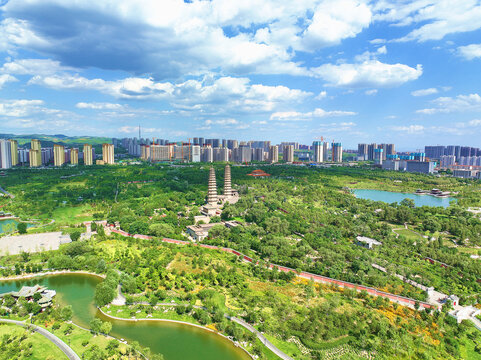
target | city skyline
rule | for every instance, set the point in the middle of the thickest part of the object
(377, 72)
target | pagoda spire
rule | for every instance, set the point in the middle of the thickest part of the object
(227, 182)
(212, 189)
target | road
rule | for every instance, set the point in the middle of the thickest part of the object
(54, 339)
(6, 193)
(261, 337)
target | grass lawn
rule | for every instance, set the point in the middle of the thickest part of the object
(78, 336)
(43, 349)
(409, 234)
(162, 312)
(67, 216)
(469, 352)
(288, 348)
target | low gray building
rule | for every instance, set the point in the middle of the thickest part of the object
(425, 167)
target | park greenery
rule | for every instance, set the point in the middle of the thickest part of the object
(300, 217)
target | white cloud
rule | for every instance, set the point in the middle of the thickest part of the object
(409, 129)
(436, 18)
(20, 108)
(317, 113)
(371, 92)
(5, 78)
(135, 130)
(209, 94)
(179, 38)
(372, 73)
(424, 92)
(222, 122)
(471, 102)
(470, 52)
(334, 20)
(33, 67)
(322, 95)
(99, 106)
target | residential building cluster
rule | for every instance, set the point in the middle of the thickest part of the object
(464, 161)
(36, 156)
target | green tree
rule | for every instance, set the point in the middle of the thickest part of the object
(104, 294)
(22, 227)
(106, 328)
(66, 313)
(75, 235)
(96, 325)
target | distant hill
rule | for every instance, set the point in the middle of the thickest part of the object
(49, 140)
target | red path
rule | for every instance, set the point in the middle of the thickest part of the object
(306, 275)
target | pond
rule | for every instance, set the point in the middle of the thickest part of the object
(174, 341)
(4, 224)
(391, 197)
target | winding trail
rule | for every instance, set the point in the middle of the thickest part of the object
(67, 350)
(7, 193)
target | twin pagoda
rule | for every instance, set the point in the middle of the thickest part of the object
(215, 201)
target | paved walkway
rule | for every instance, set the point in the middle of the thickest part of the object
(261, 337)
(31, 243)
(6, 193)
(56, 341)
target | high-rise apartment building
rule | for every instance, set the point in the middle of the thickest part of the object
(273, 154)
(14, 151)
(336, 152)
(5, 154)
(74, 156)
(221, 154)
(318, 149)
(207, 154)
(88, 155)
(288, 153)
(108, 154)
(325, 151)
(362, 151)
(242, 154)
(258, 154)
(58, 155)
(160, 153)
(35, 153)
(378, 156)
(232, 144)
(388, 149)
(370, 151)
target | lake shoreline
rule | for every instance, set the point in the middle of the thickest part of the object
(178, 322)
(389, 197)
(47, 273)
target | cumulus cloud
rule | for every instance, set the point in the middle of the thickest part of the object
(179, 37)
(371, 73)
(409, 129)
(445, 104)
(424, 92)
(20, 108)
(470, 52)
(207, 94)
(5, 78)
(317, 113)
(335, 20)
(135, 130)
(33, 67)
(222, 122)
(432, 19)
(99, 106)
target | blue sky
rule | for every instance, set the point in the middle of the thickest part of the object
(352, 71)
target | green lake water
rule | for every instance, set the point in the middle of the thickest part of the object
(391, 197)
(174, 341)
(3, 224)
